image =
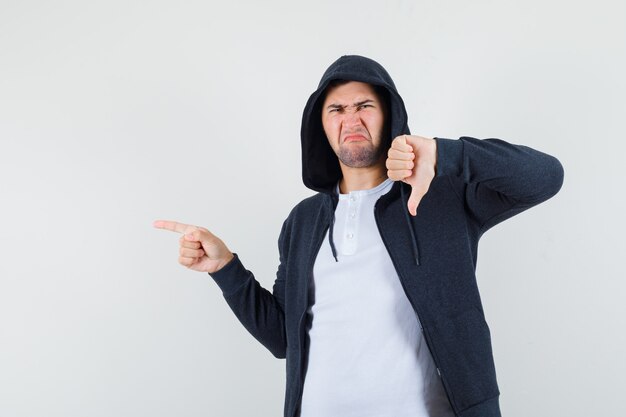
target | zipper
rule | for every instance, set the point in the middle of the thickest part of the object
(303, 315)
(415, 310)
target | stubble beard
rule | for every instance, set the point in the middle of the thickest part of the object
(359, 156)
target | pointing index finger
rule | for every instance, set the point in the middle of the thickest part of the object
(173, 226)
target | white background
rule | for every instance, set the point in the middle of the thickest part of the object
(117, 113)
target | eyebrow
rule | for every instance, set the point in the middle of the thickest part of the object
(359, 103)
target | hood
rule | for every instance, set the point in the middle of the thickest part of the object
(320, 166)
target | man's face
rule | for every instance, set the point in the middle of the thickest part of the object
(353, 119)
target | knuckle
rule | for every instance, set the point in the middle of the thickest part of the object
(396, 175)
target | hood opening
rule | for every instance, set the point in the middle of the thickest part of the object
(320, 166)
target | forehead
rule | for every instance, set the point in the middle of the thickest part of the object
(350, 92)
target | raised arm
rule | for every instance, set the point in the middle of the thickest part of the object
(501, 179)
(498, 179)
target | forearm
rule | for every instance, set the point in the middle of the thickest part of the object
(255, 307)
(502, 179)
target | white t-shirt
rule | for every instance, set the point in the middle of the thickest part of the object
(367, 356)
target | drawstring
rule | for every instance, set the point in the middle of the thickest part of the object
(330, 237)
(330, 231)
(406, 216)
(410, 226)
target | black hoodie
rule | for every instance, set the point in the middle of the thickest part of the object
(478, 184)
(320, 167)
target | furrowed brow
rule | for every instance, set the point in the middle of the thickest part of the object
(357, 104)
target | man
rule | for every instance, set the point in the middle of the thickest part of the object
(377, 311)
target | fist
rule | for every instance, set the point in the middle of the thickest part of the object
(413, 160)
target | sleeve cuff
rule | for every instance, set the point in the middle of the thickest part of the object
(231, 276)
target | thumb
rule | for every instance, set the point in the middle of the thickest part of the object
(203, 236)
(420, 183)
(414, 200)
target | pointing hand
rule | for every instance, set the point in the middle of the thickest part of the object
(200, 250)
(413, 159)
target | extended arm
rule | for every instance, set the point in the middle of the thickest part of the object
(261, 312)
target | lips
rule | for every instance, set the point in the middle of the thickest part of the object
(354, 138)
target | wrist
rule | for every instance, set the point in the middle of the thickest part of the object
(228, 259)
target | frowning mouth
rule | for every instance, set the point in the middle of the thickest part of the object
(354, 138)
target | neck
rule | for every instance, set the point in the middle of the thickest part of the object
(355, 179)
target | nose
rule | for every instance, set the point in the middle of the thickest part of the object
(352, 118)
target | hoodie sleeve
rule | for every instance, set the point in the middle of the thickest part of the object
(261, 312)
(501, 179)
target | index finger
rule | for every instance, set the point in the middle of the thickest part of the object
(174, 226)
